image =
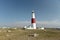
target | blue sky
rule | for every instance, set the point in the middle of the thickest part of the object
(14, 11)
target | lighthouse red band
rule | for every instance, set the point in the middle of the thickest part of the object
(33, 20)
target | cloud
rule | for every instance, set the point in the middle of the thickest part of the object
(54, 23)
(48, 22)
(20, 23)
(51, 24)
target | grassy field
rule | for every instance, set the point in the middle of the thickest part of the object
(20, 34)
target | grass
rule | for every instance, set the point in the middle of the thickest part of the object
(19, 34)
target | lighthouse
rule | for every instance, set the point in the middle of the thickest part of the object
(33, 20)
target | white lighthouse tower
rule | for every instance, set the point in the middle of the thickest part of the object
(33, 20)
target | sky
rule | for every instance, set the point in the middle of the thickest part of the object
(18, 12)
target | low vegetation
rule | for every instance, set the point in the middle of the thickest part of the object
(20, 34)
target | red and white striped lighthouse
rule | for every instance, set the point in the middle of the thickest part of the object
(33, 20)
